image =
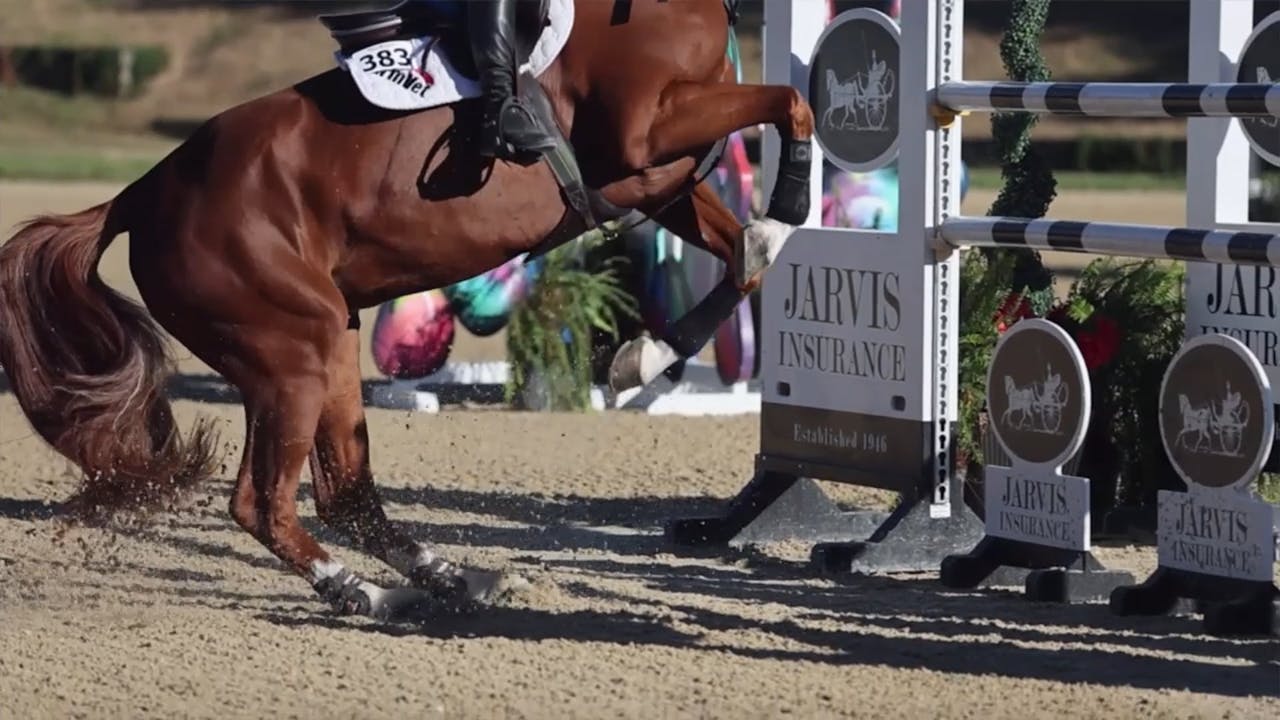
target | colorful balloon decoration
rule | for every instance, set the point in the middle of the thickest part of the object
(735, 346)
(484, 303)
(667, 291)
(735, 339)
(862, 200)
(868, 201)
(413, 335)
(734, 342)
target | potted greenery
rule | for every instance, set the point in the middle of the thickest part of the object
(550, 335)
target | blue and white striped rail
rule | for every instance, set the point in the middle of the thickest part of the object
(1149, 241)
(1097, 99)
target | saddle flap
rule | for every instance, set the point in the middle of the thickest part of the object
(418, 63)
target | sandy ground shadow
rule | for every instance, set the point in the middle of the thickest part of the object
(188, 616)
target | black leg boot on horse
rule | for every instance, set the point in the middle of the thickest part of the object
(509, 130)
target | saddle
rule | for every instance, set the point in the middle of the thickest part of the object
(446, 21)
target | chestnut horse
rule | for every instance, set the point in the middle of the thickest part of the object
(257, 240)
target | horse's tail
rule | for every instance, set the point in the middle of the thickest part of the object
(88, 367)
(1009, 387)
(833, 82)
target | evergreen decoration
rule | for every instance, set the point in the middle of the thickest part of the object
(987, 275)
(1029, 186)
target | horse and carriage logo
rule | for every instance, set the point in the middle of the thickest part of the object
(1267, 121)
(1259, 60)
(861, 101)
(1035, 407)
(1210, 430)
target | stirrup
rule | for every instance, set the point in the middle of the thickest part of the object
(536, 136)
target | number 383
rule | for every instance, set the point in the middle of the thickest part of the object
(384, 59)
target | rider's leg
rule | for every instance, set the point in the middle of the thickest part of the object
(508, 129)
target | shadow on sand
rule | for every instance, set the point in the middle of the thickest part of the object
(910, 623)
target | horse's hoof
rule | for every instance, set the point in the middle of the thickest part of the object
(490, 588)
(638, 362)
(463, 590)
(351, 596)
(762, 240)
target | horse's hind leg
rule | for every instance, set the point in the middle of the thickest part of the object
(281, 414)
(283, 378)
(347, 500)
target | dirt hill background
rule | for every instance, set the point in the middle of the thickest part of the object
(223, 53)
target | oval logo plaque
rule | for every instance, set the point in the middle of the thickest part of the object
(853, 90)
(1038, 393)
(1216, 417)
(1260, 63)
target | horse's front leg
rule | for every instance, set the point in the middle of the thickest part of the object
(700, 219)
(696, 115)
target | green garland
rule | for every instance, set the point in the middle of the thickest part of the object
(986, 276)
(1029, 186)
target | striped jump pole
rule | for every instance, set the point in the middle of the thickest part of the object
(1148, 241)
(1099, 99)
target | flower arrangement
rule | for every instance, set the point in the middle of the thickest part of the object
(1095, 333)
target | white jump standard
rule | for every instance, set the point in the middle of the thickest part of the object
(1231, 575)
(857, 374)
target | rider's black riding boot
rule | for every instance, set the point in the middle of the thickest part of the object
(508, 130)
